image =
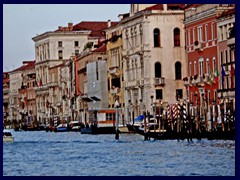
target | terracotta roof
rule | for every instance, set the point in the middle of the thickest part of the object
(227, 13)
(189, 6)
(30, 64)
(5, 81)
(93, 26)
(155, 7)
(176, 6)
(169, 7)
(103, 48)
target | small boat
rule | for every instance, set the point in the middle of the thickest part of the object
(75, 126)
(7, 136)
(137, 123)
(62, 128)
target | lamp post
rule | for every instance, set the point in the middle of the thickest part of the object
(116, 123)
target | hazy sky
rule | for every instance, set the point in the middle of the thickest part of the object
(21, 22)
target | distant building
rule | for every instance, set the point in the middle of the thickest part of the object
(22, 96)
(54, 47)
(91, 82)
(6, 91)
(115, 66)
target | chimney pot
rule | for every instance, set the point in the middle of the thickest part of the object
(109, 23)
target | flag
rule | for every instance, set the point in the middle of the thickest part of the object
(216, 73)
(223, 75)
(210, 77)
(232, 73)
(36, 83)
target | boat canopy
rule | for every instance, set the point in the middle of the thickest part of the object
(139, 118)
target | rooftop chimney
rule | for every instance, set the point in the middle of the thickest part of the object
(70, 26)
(109, 23)
(165, 7)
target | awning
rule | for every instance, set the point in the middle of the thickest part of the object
(87, 99)
(95, 98)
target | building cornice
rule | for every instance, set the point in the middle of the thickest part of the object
(62, 33)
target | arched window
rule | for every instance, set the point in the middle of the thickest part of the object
(156, 34)
(178, 70)
(158, 70)
(176, 35)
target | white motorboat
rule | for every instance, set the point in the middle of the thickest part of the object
(7, 136)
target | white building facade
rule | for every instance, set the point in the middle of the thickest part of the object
(153, 58)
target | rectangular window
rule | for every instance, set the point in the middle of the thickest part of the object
(97, 70)
(159, 94)
(199, 34)
(60, 54)
(201, 70)
(190, 69)
(221, 57)
(230, 55)
(195, 68)
(76, 52)
(194, 35)
(215, 95)
(76, 44)
(214, 64)
(179, 94)
(213, 31)
(60, 44)
(206, 33)
(189, 38)
(208, 66)
(226, 56)
(209, 96)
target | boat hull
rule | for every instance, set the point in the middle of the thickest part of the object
(8, 138)
(98, 130)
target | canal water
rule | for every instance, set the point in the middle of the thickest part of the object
(75, 154)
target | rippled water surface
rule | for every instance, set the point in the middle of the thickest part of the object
(75, 154)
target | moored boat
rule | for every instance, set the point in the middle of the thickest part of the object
(75, 126)
(62, 128)
(133, 128)
(7, 136)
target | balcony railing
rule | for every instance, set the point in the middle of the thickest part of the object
(159, 81)
(115, 90)
(231, 41)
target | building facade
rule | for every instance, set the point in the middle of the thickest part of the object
(204, 67)
(6, 89)
(226, 54)
(153, 58)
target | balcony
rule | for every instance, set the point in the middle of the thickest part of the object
(206, 78)
(113, 70)
(198, 80)
(187, 81)
(52, 84)
(159, 81)
(132, 83)
(231, 42)
(115, 90)
(198, 46)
